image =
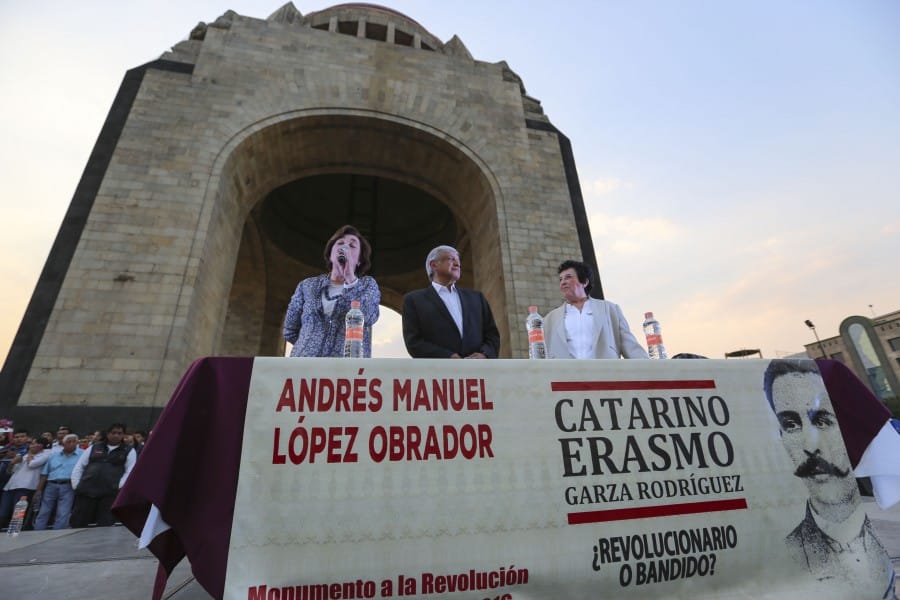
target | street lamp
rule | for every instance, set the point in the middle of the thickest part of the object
(813, 327)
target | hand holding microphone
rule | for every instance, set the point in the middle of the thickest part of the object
(347, 270)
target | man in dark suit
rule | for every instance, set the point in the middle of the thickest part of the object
(444, 321)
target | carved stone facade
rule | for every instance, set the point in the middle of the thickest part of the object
(214, 184)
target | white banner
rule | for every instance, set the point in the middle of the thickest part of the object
(521, 479)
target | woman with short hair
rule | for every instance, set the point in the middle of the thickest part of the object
(314, 322)
(585, 327)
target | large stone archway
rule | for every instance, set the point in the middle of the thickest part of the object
(264, 275)
(168, 251)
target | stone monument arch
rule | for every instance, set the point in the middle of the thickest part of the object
(406, 186)
(225, 165)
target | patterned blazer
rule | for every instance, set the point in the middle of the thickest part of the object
(312, 332)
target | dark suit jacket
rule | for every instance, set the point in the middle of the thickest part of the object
(430, 332)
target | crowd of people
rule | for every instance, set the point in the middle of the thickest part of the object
(67, 480)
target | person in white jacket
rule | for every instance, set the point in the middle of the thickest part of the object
(585, 327)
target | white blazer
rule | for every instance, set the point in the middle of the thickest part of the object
(614, 338)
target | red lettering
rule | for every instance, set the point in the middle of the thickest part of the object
(325, 404)
(402, 393)
(375, 394)
(451, 441)
(472, 394)
(485, 435)
(277, 458)
(457, 401)
(298, 457)
(378, 435)
(344, 390)
(334, 445)
(428, 583)
(413, 437)
(396, 452)
(485, 403)
(432, 449)
(307, 395)
(359, 394)
(467, 441)
(287, 397)
(350, 456)
(414, 443)
(317, 443)
(257, 593)
(421, 396)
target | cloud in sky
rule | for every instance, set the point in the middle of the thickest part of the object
(625, 234)
(605, 185)
(387, 336)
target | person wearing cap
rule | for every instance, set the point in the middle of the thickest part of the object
(585, 327)
(26, 472)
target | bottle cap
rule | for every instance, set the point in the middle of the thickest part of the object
(354, 304)
(532, 309)
(648, 315)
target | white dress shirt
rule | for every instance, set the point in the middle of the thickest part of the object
(450, 297)
(580, 333)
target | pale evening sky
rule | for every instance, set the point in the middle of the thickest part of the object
(740, 161)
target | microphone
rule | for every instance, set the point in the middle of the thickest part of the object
(341, 258)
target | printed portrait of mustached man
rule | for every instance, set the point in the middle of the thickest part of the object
(835, 540)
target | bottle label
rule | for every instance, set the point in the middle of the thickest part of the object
(535, 335)
(354, 333)
(654, 339)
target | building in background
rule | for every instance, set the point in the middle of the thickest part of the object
(871, 347)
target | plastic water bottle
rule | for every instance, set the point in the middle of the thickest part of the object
(354, 324)
(653, 331)
(18, 517)
(534, 325)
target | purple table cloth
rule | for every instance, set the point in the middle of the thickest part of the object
(189, 471)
